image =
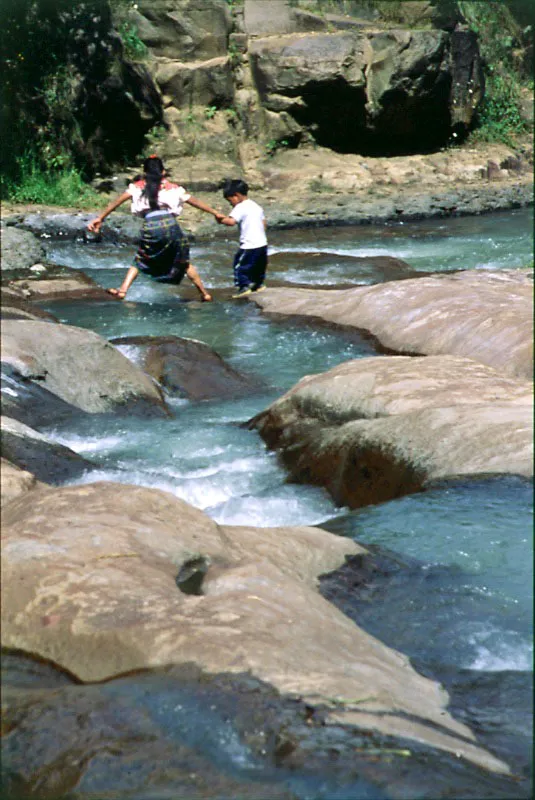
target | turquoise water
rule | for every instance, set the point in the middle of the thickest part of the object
(466, 604)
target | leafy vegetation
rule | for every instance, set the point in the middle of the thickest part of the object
(63, 186)
(500, 36)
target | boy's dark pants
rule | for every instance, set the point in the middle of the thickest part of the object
(250, 267)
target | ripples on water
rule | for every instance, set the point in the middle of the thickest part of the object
(468, 604)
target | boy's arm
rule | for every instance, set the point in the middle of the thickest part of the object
(226, 220)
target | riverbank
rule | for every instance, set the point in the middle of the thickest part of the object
(317, 187)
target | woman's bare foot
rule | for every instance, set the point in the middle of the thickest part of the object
(118, 293)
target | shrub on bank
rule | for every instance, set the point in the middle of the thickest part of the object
(63, 186)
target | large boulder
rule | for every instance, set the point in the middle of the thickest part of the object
(107, 596)
(39, 455)
(481, 314)
(206, 83)
(186, 367)
(399, 91)
(377, 428)
(20, 249)
(183, 29)
(78, 366)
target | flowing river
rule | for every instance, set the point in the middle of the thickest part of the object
(462, 606)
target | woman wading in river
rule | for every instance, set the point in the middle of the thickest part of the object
(163, 251)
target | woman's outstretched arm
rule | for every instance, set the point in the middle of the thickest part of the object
(95, 224)
(193, 201)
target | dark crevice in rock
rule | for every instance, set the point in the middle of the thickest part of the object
(191, 575)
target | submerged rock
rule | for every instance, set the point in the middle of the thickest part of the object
(180, 732)
(373, 429)
(100, 599)
(78, 366)
(363, 269)
(186, 367)
(43, 458)
(480, 314)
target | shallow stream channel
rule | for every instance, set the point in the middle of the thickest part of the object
(454, 590)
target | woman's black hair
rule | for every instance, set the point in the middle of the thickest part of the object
(153, 168)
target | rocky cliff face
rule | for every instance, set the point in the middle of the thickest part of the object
(239, 80)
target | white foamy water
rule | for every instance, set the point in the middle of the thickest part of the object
(499, 651)
(475, 612)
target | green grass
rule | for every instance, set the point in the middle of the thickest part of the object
(62, 187)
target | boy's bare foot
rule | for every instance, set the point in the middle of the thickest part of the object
(206, 298)
(118, 293)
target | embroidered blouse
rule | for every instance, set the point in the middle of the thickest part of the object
(171, 197)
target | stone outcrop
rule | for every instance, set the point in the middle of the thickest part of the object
(377, 428)
(103, 598)
(45, 459)
(186, 367)
(15, 481)
(480, 314)
(272, 75)
(53, 282)
(77, 366)
(392, 87)
(19, 249)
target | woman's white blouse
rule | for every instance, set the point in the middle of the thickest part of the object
(171, 197)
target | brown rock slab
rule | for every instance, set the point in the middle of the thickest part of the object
(187, 368)
(374, 429)
(480, 314)
(96, 593)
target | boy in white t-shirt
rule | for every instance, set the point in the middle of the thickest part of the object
(250, 262)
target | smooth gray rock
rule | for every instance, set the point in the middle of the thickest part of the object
(78, 366)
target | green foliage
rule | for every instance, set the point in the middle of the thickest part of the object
(276, 144)
(499, 118)
(210, 112)
(63, 186)
(134, 48)
(44, 49)
(154, 140)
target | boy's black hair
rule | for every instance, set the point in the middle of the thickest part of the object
(235, 186)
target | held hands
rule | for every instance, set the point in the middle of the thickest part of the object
(220, 217)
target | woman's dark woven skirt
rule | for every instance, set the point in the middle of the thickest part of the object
(163, 251)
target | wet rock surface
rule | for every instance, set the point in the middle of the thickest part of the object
(19, 249)
(79, 367)
(45, 459)
(373, 429)
(388, 579)
(53, 282)
(100, 599)
(480, 314)
(186, 367)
